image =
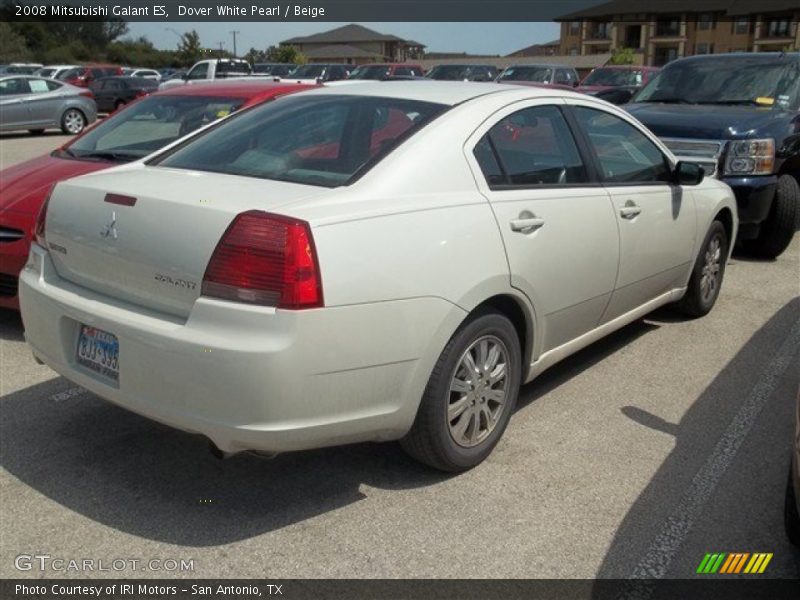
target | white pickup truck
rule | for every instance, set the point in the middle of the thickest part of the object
(212, 69)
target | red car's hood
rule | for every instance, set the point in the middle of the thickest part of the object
(23, 187)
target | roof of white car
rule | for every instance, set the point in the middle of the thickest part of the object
(441, 92)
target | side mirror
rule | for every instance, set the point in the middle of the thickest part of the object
(687, 173)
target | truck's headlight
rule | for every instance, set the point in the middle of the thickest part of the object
(750, 157)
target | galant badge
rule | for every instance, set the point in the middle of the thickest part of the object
(110, 229)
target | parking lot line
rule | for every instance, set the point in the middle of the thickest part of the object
(656, 561)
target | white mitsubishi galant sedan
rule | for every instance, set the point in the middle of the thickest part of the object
(373, 262)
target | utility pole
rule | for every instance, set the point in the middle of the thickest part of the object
(234, 43)
(220, 49)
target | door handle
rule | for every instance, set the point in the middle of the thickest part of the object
(526, 225)
(630, 210)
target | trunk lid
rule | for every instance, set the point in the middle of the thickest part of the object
(153, 253)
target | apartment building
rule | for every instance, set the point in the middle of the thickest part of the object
(670, 30)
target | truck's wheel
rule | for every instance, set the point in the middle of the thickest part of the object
(777, 231)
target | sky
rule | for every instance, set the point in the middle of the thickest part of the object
(474, 38)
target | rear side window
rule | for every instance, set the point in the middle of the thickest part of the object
(530, 147)
(315, 140)
(625, 154)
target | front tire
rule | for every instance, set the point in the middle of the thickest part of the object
(73, 121)
(709, 269)
(778, 230)
(470, 395)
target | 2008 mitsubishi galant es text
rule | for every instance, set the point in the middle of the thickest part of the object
(386, 261)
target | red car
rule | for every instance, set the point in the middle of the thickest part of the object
(617, 83)
(140, 129)
(83, 76)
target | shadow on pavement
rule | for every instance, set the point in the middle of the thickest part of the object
(149, 480)
(744, 511)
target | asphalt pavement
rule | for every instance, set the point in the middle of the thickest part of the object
(665, 441)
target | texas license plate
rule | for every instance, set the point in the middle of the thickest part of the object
(98, 350)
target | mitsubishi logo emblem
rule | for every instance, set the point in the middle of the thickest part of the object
(111, 229)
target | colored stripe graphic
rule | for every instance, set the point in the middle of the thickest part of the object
(734, 563)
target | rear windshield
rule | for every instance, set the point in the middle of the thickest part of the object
(379, 72)
(614, 77)
(233, 67)
(535, 74)
(308, 72)
(315, 140)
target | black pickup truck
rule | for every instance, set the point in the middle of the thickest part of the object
(738, 115)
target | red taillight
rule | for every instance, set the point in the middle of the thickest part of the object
(87, 93)
(38, 229)
(265, 259)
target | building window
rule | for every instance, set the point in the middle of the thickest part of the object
(705, 22)
(573, 51)
(668, 27)
(741, 26)
(601, 31)
(778, 28)
(704, 48)
(574, 27)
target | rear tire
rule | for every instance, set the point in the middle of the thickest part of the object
(778, 230)
(470, 395)
(707, 275)
(791, 519)
(73, 121)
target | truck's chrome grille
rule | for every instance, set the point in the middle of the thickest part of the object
(706, 153)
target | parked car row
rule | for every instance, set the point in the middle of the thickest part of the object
(284, 186)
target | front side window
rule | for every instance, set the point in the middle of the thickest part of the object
(625, 154)
(11, 87)
(323, 140)
(530, 147)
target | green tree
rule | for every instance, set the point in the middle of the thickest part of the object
(189, 49)
(12, 45)
(285, 54)
(622, 56)
(254, 56)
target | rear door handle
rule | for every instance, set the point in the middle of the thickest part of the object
(630, 210)
(526, 225)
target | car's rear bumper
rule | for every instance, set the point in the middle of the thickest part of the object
(246, 377)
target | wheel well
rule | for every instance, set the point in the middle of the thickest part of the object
(510, 307)
(726, 218)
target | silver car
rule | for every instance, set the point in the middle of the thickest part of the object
(36, 104)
